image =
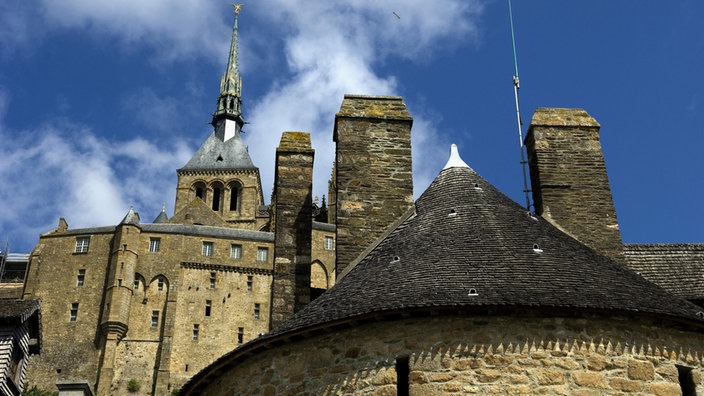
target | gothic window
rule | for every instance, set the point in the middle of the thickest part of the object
(82, 244)
(80, 279)
(207, 249)
(262, 254)
(235, 251)
(154, 244)
(73, 315)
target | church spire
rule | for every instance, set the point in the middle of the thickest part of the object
(228, 120)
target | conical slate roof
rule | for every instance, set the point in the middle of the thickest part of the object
(215, 154)
(467, 247)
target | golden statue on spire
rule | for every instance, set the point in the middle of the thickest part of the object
(237, 8)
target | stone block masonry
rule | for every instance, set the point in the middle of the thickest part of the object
(373, 171)
(569, 180)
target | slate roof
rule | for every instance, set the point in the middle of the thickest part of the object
(469, 246)
(215, 154)
(678, 268)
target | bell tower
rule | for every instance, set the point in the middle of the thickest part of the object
(221, 176)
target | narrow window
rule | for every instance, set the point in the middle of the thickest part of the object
(329, 243)
(74, 312)
(119, 282)
(154, 244)
(216, 199)
(234, 195)
(155, 318)
(236, 251)
(80, 279)
(207, 248)
(199, 192)
(402, 372)
(208, 306)
(136, 284)
(186, 368)
(250, 280)
(686, 381)
(240, 335)
(82, 244)
(160, 284)
(196, 330)
(256, 311)
(212, 280)
(262, 254)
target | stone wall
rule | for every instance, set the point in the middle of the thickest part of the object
(569, 181)
(373, 175)
(476, 355)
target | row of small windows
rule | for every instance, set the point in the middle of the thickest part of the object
(218, 194)
(235, 251)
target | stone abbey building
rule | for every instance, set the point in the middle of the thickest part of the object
(460, 292)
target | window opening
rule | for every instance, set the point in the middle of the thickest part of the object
(136, 284)
(119, 282)
(236, 251)
(154, 245)
(160, 284)
(82, 244)
(234, 196)
(199, 192)
(80, 279)
(207, 248)
(216, 198)
(250, 280)
(256, 311)
(329, 243)
(74, 312)
(208, 306)
(196, 330)
(402, 374)
(686, 381)
(262, 254)
(240, 335)
(155, 318)
(212, 280)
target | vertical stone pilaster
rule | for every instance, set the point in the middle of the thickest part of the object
(293, 222)
(569, 180)
(373, 172)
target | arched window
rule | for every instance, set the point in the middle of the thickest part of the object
(217, 196)
(234, 196)
(199, 189)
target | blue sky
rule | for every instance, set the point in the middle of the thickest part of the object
(101, 101)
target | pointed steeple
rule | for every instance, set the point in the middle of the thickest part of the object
(228, 120)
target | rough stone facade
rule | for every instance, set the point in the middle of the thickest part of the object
(569, 180)
(507, 355)
(174, 284)
(374, 182)
(293, 225)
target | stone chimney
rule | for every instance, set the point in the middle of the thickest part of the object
(373, 175)
(293, 223)
(569, 180)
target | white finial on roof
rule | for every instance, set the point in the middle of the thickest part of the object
(455, 161)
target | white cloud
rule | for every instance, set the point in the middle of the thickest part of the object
(65, 170)
(332, 48)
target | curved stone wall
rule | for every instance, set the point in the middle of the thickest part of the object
(476, 355)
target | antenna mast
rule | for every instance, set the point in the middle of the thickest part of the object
(516, 86)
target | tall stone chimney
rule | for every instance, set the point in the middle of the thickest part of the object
(293, 223)
(373, 175)
(569, 180)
